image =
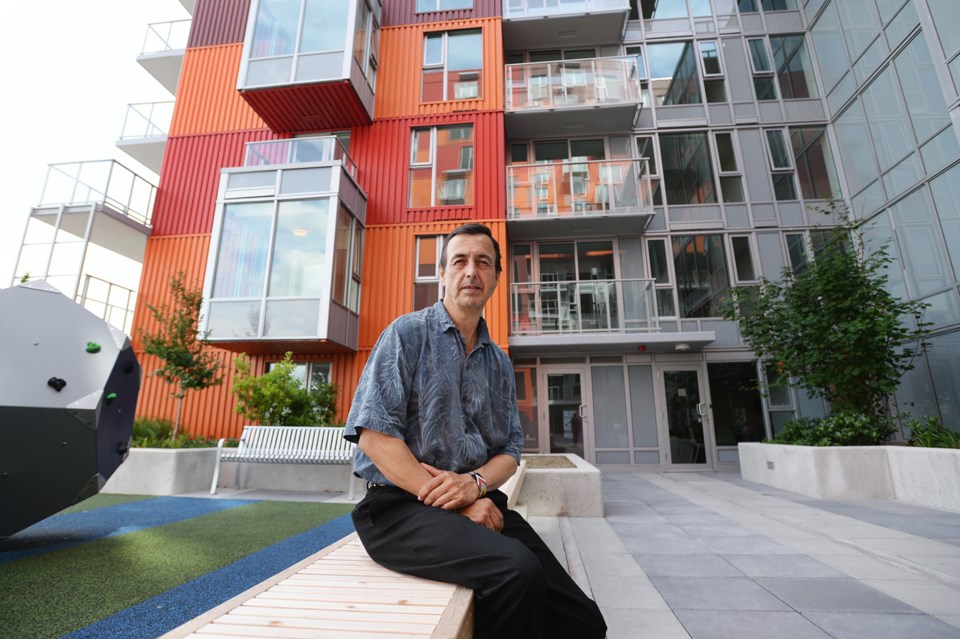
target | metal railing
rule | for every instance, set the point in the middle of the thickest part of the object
(111, 302)
(325, 148)
(585, 306)
(514, 9)
(147, 120)
(579, 188)
(572, 84)
(166, 36)
(99, 182)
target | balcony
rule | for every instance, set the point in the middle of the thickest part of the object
(572, 97)
(302, 72)
(286, 251)
(163, 49)
(539, 24)
(608, 197)
(92, 221)
(144, 134)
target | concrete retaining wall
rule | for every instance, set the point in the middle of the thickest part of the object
(923, 476)
(563, 492)
(163, 471)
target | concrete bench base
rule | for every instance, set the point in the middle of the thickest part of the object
(563, 492)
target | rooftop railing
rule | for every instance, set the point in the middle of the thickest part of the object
(99, 182)
(579, 188)
(514, 9)
(147, 120)
(166, 36)
(325, 148)
(572, 84)
(587, 306)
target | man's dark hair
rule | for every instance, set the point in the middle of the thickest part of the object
(472, 228)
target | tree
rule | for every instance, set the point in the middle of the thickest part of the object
(280, 398)
(187, 364)
(833, 326)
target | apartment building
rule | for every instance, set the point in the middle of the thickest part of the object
(635, 158)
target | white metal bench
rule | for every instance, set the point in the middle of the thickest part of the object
(288, 445)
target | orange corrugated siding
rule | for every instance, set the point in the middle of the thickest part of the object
(401, 62)
(382, 153)
(208, 100)
(388, 271)
(187, 196)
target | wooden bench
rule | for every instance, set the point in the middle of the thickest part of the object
(288, 445)
(340, 593)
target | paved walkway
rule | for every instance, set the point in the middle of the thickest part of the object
(710, 556)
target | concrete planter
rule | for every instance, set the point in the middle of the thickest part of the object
(922, 476)
(163, 471)
(562, 492)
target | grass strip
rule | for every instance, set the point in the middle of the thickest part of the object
(59, 592)
(102, 501)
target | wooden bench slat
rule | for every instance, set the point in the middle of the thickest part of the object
(362, 606)
(362, 623)
(390, 618)
(245, 632)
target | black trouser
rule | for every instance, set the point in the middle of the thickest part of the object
(520, 589)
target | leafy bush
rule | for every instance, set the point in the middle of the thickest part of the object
(156, 433)
(840, 429)
(279, 398)
(932, 434)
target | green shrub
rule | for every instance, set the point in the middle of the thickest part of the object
(149, 432)
(840, 429)
(930, 433)
(279, 398)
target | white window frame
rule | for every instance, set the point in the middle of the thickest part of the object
(737, 172)
(703, 68)
(787, 147)
(325, 366)
(437, 7)
(670, 284)
(442, 65)
(435, 278)
(735, 275)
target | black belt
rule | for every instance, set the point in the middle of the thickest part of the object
(371, 484)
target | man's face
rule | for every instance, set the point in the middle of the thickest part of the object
(469, 276)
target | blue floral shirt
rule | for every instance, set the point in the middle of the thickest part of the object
(453, 410)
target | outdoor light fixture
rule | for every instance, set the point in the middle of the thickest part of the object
(682, 347)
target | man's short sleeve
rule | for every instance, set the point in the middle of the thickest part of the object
(380, 401)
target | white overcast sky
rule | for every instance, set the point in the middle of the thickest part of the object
(69, 69)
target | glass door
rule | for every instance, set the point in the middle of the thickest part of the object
(686, 417)
(565, 413)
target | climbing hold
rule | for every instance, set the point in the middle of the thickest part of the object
(111, 397)
(56, 383)
(93, 347)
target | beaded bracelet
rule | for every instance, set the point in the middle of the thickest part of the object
(481, 482)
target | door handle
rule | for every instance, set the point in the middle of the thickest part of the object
(701, 409)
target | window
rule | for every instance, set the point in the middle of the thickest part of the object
(796, 251)
(660, 272)
(794, 70)
(426, 6)
(703, 282)
(814, 161)
(441, 166)
(452, 65)
(673, 73)
(310, 374)
(763, 84)
(743, 271)
(426, 279)
(645, 100)
(712, 72)
(731, 182)
(346, 267)
(687, 169)
(781, 166)
(754, 6)
(646, 149)
(366, 43)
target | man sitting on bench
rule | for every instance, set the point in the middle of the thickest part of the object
(436, 423)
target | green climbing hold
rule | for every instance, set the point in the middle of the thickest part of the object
(93, 347)
(111, 397)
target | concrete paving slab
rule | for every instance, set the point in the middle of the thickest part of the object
(846, 595)
(687, 566)
(743, 624)
(715, 593)
(657, 545)
(746, 545)
(636, 593)
(600, 566)
(626, 623)
(797, 566)
(937, 599)
(845, 625)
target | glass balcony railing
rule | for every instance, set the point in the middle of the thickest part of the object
(518, 9)
(589, 306)
(147, 120)
(579, 188)
(325, 148)
(99, 182)
(166, 36)
(572, 84)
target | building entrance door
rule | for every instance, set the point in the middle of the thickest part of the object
(685, 421)
(565, 416)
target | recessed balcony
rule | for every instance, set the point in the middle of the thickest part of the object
(309, 66)
(144, 134)
(164, 46)
(572, 97)
(538, 24)
(284, 270)
(564, 199)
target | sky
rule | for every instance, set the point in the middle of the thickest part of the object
(69, 69)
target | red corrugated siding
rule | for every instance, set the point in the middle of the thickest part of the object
(401, 62)
(187, 196)
(388, 270)
(382, 153)
(218, 22)
(302, 108)
(397, 12)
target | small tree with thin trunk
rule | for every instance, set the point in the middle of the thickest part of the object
(187, 364)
